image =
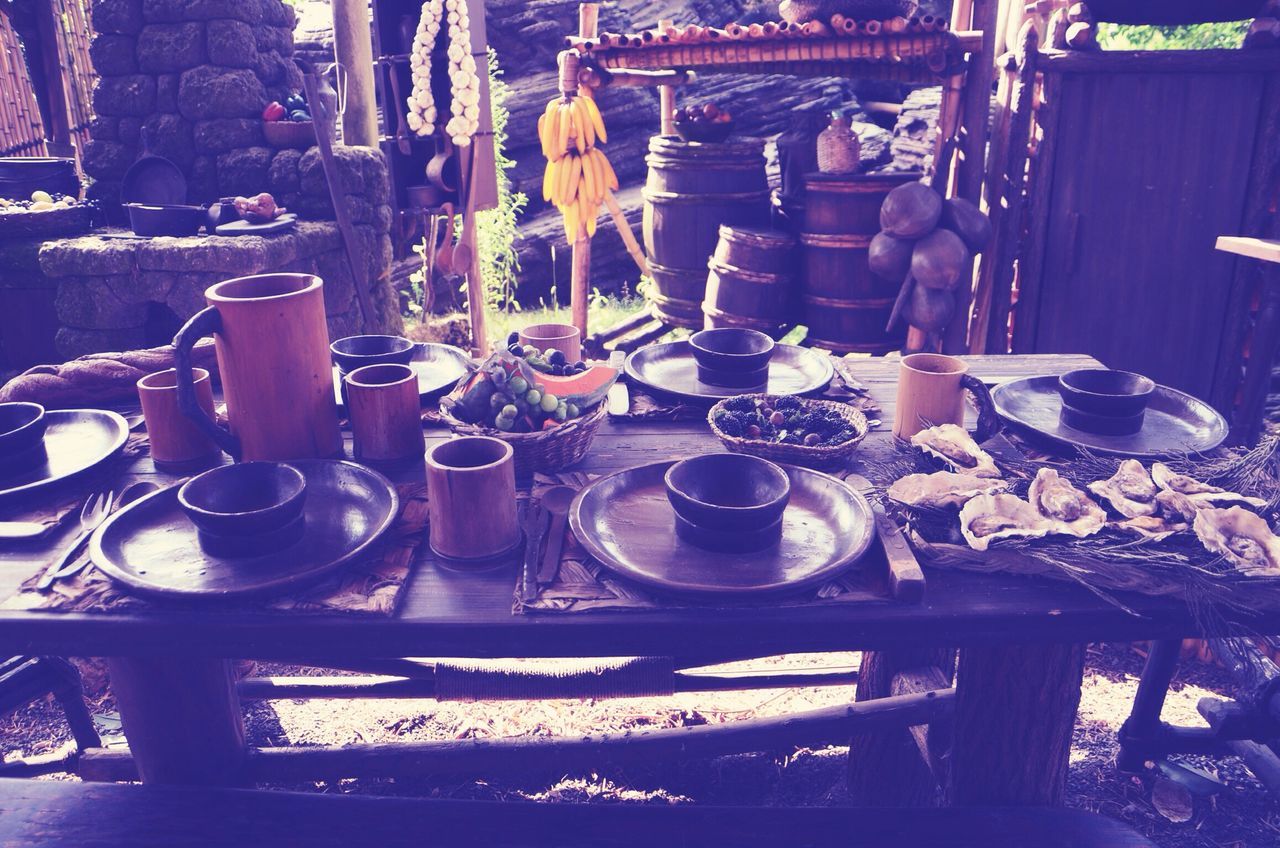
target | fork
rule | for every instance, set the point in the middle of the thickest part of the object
(93, 513)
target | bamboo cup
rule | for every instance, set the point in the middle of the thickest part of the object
(471, 487)
(930, 392)
(565, 338)
(386, 419)
(177, 444)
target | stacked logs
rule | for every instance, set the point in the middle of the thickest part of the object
(839, 25)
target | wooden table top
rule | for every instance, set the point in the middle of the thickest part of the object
(457, 613)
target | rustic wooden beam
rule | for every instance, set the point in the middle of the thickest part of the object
(580, 269)
(522, 755)
(1260, 759)
(602, 78)
(933, 740)
(1160, 61)
(1267, 250)
(353, 48)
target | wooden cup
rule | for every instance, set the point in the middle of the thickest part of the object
(177, 444)
(386, 419)
(565, 338)
(471, 486)
(930, 392)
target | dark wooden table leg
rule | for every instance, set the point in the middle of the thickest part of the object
(885, 768)
(182, 718)
(1015, 710)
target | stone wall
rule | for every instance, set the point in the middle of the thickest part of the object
(192, 77)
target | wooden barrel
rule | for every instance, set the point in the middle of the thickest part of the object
(751, 280)
(843, 304)
(764, 251)
(848, 203)
(691, 190)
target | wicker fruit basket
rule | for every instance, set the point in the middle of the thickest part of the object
(545, 450)
(811, 456)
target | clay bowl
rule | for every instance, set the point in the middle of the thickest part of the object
(21, 431)
(732, 349)
(1103, 392)
(247, 501)
(355, 352)
(728, 492)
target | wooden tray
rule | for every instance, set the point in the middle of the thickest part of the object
(75, 441)
(281, 224)
(151, 546)
(1175, 422)
(625, 522)
(439, 368)
(669, 369)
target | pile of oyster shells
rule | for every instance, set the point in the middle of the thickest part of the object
(1154, 503)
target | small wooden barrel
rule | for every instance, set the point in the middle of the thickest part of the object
(848, 203)
(753, 249)
(843, 304)
(759, 300)
(691, 190)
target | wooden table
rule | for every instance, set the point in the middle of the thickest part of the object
(1020, 639)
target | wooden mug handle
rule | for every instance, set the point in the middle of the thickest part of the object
(206, 322)
(988, 419)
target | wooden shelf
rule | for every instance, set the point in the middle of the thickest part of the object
(1254, 248)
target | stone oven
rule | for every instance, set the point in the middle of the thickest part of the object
(188, 80)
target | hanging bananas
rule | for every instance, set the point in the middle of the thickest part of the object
(578, 173)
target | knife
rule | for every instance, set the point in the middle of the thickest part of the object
(619, 398)
(906, 580)
(22, 529)
(533, 522)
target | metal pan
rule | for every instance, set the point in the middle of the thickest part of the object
(151, 546)
(439, 368)
(154, 180)
(670, 369)
(75, 441)
(1175, 422)
(625, 521)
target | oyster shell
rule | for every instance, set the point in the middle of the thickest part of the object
(1242, 537)
(1130, 491)
(942, 489)
(954, 446)
(1174, 513)
(1153, 527)
(986, 518)
(1202, 494)
(1070, 510)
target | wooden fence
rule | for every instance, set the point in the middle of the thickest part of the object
(59, 43)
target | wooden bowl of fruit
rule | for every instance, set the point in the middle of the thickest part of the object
(789, 429)
(548, 410)
(705, 124)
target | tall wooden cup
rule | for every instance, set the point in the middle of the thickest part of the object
(931, 389)
(565, 338)
(273, 354)
(177, 444)
(385, 412)
(471, 485)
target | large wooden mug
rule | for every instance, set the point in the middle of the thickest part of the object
(471, 490)
(931, 388)
(273, 354)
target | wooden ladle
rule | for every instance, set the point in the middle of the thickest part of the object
(444, 255)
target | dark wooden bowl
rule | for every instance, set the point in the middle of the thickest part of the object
(745, 380)
(22, 427)
(355, 352)
(729, 541)
(704, 132)
(1104, 425)
(166, 220)
(1103, 392)
(728, 491)
(732, 349)
(246, 499)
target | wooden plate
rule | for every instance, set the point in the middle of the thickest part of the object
(439, 368)
(1175, 422)
(75, 440)
(625, 521)
(151, 546)
(669, 369)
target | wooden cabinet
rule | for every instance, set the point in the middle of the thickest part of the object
(1144, 160)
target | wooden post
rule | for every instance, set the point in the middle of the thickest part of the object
(353, 47)
(666, 94)
(57, 119)
(580, 275)
(182, 719)
(977, 111)
(1015, 710)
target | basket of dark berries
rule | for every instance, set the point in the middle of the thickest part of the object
(785, 428)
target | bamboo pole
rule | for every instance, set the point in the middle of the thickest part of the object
(667, 93)
(353, 48)
(624, 230)
(580, 272)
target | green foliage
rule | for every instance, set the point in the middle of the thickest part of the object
(1197, 37)
(496, 229)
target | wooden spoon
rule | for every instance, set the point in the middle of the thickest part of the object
(557, 500)
(444, 256)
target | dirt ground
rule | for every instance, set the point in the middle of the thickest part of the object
(1243, 815)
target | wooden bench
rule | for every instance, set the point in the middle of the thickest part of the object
(40, 814)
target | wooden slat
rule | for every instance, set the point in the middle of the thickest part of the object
(1255, 248)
